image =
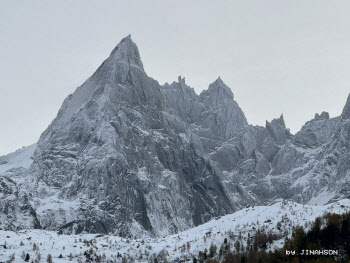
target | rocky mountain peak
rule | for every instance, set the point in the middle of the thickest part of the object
(126, 155)
(323, 116)
(218, 89)
(127, 51)
(222, 116)
(278, 130)
(277, 122)
(181, 80)
(346, 110)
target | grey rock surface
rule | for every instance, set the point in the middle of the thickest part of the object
(126, 155)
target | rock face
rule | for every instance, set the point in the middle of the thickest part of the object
(126, 155)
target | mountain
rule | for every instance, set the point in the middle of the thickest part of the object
(129, 156)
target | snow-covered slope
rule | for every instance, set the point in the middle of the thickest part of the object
(278, 218)
(18, 159)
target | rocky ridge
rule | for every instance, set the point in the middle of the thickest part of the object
(127, 155)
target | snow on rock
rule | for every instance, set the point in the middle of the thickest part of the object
(18, 159)
(128, 156)
(278, 218)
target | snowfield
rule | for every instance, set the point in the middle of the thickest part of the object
(17, 159)
(184, 245)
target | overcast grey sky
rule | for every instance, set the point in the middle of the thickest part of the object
(289, 57)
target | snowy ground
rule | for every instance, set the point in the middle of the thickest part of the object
(19, 158)
(183, 245)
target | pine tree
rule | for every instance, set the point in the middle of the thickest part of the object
(49, 258)
(212, 250)
(237, 246)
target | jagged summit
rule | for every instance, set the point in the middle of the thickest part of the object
(346, 110)
(181, 80)
(278, 130)
(223, 115)
(276, 121)
(323, 116)
(125, 143)
(219, 88)
(279, 121)
(127, 51)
